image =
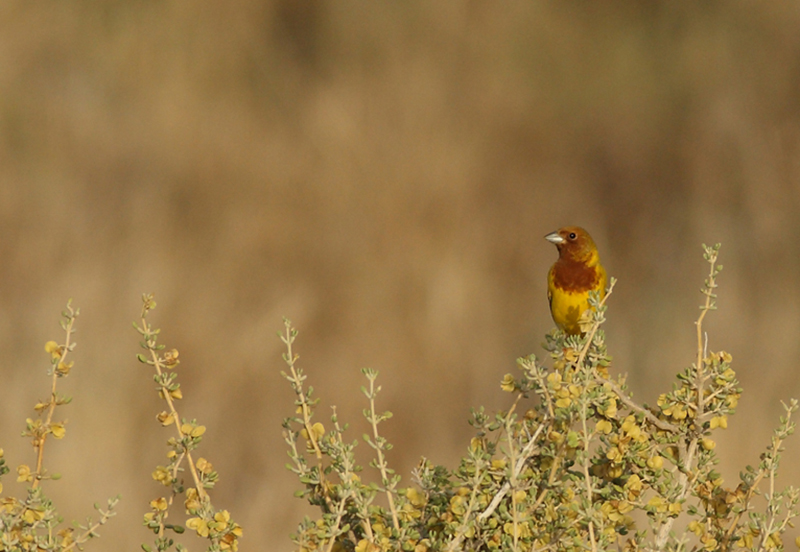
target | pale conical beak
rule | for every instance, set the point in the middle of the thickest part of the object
(554, 237)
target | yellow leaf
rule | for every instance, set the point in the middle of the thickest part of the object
(165, 418)
(655, 462)
(604, 427)
(719, 422)
(64, 368)
(508, 384)
(24, 473)
(53, 348)
(58, 430)
(159, 504)
(198, 525)
(204, 465)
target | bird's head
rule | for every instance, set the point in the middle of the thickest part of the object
(574, 244)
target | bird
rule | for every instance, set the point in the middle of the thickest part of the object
(576, 272)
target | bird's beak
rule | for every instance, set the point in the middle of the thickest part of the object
(554, 237)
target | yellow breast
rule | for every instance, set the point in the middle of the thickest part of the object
(568, 306)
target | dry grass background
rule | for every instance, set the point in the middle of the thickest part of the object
(382, 174)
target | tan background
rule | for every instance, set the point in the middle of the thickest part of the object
(383, 174)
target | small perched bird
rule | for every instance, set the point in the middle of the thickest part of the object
(576, 272)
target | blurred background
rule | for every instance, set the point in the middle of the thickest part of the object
(383, 175)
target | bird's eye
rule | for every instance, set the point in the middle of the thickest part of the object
(572, 235)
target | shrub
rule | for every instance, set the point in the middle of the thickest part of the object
(33, 524)
(575, 463)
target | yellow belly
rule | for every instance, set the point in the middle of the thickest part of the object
(567, 308)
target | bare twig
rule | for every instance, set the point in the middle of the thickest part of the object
(528, 451)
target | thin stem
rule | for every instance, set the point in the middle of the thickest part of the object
(90, 531)
(291, 359)
(39, 443)
(595, 326)
(512, 481)
(473, 500)
(587, 477)
(296, 380)
(688, 458)
(156, 361)
(335, 527)
(711, 284)
(388, 487)
(663, 425)
(346, 475)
